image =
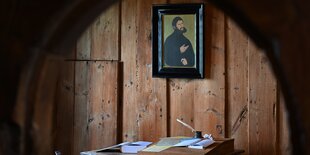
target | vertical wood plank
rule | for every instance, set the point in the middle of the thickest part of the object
(43, 117)
(150, 92)
(80, 138)
(237, 85)
(181, 106)
(181, 99)
(210, 93)
(201, 103)
(96, 101)
(105, 35)
(96, 104)
(128, 56)
(81, 99)
(285, 146)
(103, 103)
(83, 46)
(144, 114)
(65, 108)
(262, 104)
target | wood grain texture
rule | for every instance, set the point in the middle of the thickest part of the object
(182, 105)
(251, 91)
(96, 83)
(181, 100)
(128, 56)
(285, 146)
(100, 41)
(81, 99)
(201, 103)
(105, 35)
(81, 108)
(43, 116)
(237, 85)
(103, 104)
(239, 104)
(143, 95)
(83, 46)
(262, 104)
(96, 102)
(64, 108)
(151, 92)
(209, 97)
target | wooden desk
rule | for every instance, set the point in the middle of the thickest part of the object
(220, 147)
(235, 152)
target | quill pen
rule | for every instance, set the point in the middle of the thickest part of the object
(188, 126)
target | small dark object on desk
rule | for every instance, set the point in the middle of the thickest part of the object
(198, 134)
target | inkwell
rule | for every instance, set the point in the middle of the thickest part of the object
(197, 134)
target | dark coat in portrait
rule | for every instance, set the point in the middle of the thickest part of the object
(172, 53)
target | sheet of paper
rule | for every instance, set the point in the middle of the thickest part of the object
(171, 141)
(202, 144)
(88, 153)
(141, 143)
(188, 142)
(168, 141)
(156, 148)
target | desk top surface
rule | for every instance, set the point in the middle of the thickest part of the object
(222, 146)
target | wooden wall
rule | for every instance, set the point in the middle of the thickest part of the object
(106, 93)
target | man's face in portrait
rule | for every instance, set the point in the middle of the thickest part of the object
(180, 25)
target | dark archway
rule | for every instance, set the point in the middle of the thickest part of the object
(31, 29)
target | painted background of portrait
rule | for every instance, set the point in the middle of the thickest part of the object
(189, 23)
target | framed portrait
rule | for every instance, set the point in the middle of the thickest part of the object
(177, 41)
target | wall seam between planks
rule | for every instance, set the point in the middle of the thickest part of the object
(226, 110)
(120, 79)
(248, 92)
(168, 93)
(168, 108)
(73, 104)
(277, 115)
(119, 136)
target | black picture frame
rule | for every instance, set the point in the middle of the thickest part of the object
(168, 61)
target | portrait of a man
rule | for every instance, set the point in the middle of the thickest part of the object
(178, 41)
(178, 49)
